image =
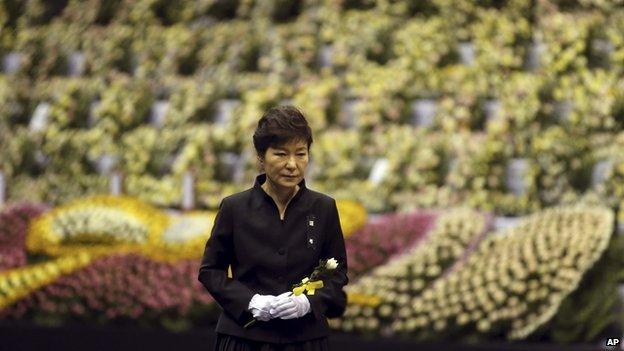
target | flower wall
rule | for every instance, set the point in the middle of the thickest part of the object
(154, 91)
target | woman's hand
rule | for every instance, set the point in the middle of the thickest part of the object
(259, 306)
(289, 306)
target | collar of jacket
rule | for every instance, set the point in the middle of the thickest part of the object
(261, 195)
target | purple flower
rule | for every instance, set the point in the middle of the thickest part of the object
(127, 286)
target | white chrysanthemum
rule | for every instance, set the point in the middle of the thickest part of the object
(331, 264)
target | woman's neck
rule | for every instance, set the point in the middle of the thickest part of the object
(282, 196)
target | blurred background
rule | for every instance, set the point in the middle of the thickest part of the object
(476, 150)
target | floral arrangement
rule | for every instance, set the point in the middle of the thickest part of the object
(71, 102)
(191, 101)
(457, 107)
(109, 224)
(564, 37)
(428, 197)
(592, 96)
(167, 51)
(349, 43)
(376, 89)
(234, 44)
(497, 37)
(479, 163)
(55, 188)
(421, 45)
(317, 96)
(19, 283)
(413, 269)
(389, 235)
(147, 51)
(564, 162)
(293, 50)
(109, 49)
(120, 288)
(519, 98)
(512, 284)
(334, 155)
(415, 157)
(152, 151)
(45, 54)
(371, 196)
(15, 96)
(94, 224)
(124, 105)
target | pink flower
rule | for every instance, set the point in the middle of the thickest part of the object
(376, 242)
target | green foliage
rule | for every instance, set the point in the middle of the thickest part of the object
(590, 312)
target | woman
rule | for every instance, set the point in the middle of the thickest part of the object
(273, 235)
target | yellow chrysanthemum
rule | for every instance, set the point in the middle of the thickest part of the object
(96, 223)
(352, 216)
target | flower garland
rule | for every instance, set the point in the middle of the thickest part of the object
(515, 281)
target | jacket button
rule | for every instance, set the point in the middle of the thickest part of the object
(281, 251)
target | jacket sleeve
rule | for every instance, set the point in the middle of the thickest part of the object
(331, 301)
(232, 295)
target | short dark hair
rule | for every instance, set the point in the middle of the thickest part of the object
(280, 125)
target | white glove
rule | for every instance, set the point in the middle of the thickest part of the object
(259, 306)
(289, 306)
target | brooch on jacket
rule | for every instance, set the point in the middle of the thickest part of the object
(310, 230)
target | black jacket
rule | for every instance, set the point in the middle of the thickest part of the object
(268, 255)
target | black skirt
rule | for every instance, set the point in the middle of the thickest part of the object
(226, 342)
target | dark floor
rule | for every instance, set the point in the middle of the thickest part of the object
(17, 338)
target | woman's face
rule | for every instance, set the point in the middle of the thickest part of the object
(290, 159)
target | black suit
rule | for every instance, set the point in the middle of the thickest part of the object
(268, 255)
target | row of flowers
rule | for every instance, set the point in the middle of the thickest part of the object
(512, 284)
(120, 288)
(111, 234)
(137, 259)
(414, 268)
(450, 100)
(453, 99)
(32, 13)
(512, 175)
(550, 250)
(20, 282)
(501, 39)
(106, 224)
